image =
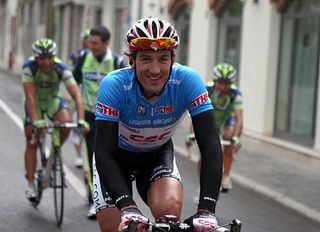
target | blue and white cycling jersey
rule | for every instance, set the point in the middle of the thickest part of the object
(145, 125)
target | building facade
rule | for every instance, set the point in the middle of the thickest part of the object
(274, 44)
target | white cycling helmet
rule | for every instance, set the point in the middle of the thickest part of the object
(152, 33)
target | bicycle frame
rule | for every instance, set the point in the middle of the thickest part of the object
(50, 173)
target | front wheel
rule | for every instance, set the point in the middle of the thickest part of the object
(58, 186)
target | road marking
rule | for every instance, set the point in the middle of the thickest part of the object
(70, 176)
(278, 197)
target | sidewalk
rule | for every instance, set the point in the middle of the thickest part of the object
(289, 177)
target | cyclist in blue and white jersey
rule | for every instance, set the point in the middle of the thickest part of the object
(137, 112)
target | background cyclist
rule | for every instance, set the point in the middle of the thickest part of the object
(41, 77)
(90, 69)
(138, 110)
(227, 101)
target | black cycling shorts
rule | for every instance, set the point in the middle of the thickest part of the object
(144, 168)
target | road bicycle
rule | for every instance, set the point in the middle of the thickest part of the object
(50, 171)
(170, 223)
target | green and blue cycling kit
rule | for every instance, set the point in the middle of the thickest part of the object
(48, 95)
(225, 105)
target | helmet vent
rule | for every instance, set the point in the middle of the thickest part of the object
(167, 33)
(154, 30)
(141, 33)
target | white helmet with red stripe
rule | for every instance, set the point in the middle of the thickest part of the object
(152, 33)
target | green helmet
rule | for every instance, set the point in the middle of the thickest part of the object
(85, 34)
(44, 47)
(224, 72)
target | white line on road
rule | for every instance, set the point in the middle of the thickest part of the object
(70, 176)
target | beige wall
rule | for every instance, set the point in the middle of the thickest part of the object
(259, 54)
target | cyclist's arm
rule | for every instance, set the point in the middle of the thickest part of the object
(30, 94)
(238, 114)
(211, 155)
(75, 93)
(77, 71)
(106, 145)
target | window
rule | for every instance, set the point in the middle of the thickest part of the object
(229, 34)
(43, 12)
(298, 72)
(182, 25)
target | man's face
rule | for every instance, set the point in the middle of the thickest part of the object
(45, 63)
(153, 68)
(222, 86)
(96, 45)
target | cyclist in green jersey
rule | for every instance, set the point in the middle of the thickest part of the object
(41, 77)
(227, 102)
(91, 68)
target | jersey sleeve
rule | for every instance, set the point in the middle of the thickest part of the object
(238, 101)
(26, 74)
(195, 93)
(67, 78)
(109, 98)
(65, 73)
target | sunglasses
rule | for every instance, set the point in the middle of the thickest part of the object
(224, 82)
(155, 44)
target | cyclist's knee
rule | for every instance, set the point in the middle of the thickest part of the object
(173, 198)
(228, 132)
(63, 115)
(173, 205)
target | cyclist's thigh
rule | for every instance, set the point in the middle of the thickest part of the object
(25, 115)
(227, 132)
(27, 120)
(101, 198)
(59, 110)
(228, 128)
(162, 166)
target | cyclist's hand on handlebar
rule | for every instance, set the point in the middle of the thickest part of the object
(133, 213)
(84, 126)
(202, 221)
(40, 123)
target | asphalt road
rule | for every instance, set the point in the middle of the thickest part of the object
(257, 212)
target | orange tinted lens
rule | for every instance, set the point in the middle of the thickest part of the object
(224, 82)
(145, 43)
